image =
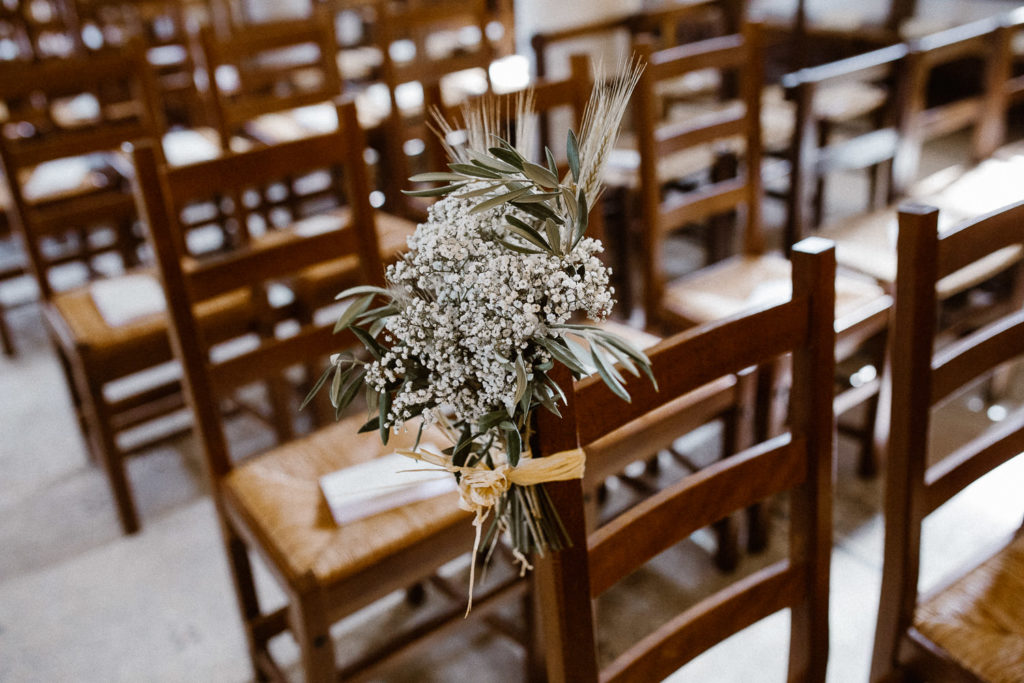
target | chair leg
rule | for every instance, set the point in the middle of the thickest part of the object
(312, 632)
(727, 552)
(110, 456)
(77, 404)
(245, 593)
(6, 344)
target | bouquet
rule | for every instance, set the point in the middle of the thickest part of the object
(499, 284)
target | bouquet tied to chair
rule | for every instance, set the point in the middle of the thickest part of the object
(498, 285)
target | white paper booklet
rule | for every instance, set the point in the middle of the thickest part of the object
(381, 484)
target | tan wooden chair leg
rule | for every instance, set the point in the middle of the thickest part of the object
(312, 632)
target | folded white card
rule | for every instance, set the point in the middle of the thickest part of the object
(381, 484)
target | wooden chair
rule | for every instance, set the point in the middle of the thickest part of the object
(72, 206)
(435, 65)
(670, 23)
(965, 630)
(32, 31)
(271, 505)
(163, 26)
(267, 69)
(756, 273)
(798, 461)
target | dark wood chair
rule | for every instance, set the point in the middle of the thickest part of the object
(755, 273)
(434, 65)
(164, 28)
(798, 461)
(263, 72)
(72, 206)
(271, 505)
(965, 630)
(33, 31)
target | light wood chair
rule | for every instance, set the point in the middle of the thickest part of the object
(271, 505)
(72, 206)
(967, 630)
(798, 461)
(756, 273)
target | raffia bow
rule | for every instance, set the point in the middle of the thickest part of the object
(480, 487)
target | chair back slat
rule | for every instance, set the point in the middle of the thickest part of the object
(711, 351)
(629, 541)
(723, 52)
(967, 464)
(674, 137)
(798, 461)
(976, 354)
(274, 356)
(707, 623)
(710, 200)
(265, 260)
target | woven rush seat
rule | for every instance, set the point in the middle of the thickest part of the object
(979, 619)
(320, 283)
(279, 495)
(119, 350)
(866, 243)
(741, 282)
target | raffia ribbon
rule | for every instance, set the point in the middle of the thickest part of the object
(480, 488)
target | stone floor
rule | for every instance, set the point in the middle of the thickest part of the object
(81, 602)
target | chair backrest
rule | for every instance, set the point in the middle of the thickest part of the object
(164, 27)
(162, 192)
(923, 377)
(670, 23)
(430, 35)
(798, 461)
(31, 31)
(66, 108)
(812, 158)
(732, 125)
(269, 67)
(960, 56)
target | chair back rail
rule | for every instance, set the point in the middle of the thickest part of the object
(922, 378)
(161, 191)
(1012, 28)
(657, 139)
(798, 461)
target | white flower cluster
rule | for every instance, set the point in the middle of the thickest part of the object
(469, 306)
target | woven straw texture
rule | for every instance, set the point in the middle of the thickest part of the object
(738, 283)
(979, 619)
(280, 493)
(141, 343)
